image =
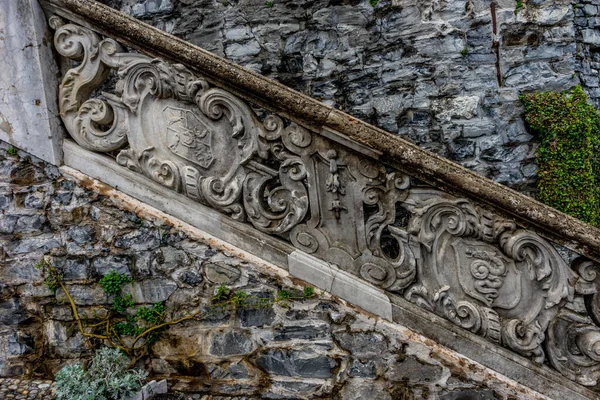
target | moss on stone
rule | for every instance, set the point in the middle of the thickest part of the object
(568, 127)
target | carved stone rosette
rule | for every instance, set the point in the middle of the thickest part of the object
(445, 254)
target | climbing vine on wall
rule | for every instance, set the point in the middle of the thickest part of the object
(134, 329)
(568, 157)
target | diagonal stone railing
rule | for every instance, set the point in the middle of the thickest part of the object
(400, 232)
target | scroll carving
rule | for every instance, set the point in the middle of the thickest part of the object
(573, 343)
(445, 254)
(574, 347)
(486, 275)
(197, 140)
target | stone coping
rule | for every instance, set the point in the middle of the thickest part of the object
(314, 115)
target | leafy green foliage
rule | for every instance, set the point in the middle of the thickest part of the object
(11, 151)
(52, 276)
(153, 314)
(519, 4)
(464, 52)
(122, 303)
(113, 282)
(373, 3)
(127, 328)
(222, 293)
(283, 295)
(269, 3)
(107, 378)
(134, 330)
(568, 156)
(309, 291)
(239, 298)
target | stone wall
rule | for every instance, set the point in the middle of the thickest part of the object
(587, 25)
(425, 70)
(317, 348)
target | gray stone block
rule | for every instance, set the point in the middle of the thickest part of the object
(230, 343)
(296, 363)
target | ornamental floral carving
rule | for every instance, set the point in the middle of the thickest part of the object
(573, 343)
(333, 199)
(485, 274)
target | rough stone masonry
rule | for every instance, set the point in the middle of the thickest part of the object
(425, 70)
(317, 348)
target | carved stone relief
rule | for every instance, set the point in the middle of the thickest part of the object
(446, 254)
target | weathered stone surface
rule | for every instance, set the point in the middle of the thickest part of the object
(139, 240)
(359, 389)
(349, 361)
(221, 273)
(152, 290)
(412, 370)
(469, 394)
(303, 363)
(379, 63)
(119, 264)
(256, 317)
(231, 343)
(82, 234)
(301, 332)
(360, 369)
(12, 312)
(363, 344)
(73, 268)
(28, 82)
(236, 370)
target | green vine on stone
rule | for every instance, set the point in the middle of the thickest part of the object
(134, 330)
(568, 156)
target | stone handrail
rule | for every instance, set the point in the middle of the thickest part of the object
(334, 188)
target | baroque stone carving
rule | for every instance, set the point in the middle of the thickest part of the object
(486, 275)
(573, 343)
(574, 347)
(447, 255)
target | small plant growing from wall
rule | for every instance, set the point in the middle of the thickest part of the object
(134, 329)
(107, 377)
(568, 158)
(519, 4)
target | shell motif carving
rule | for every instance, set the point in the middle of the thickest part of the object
(447, 255)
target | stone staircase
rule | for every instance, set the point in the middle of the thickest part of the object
(362, 214)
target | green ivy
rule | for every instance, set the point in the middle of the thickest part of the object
(153, 314)
(568, 160)
(114, 281)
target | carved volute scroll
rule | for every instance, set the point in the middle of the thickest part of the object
(448, 255)
(486, 275)
(573, 342)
